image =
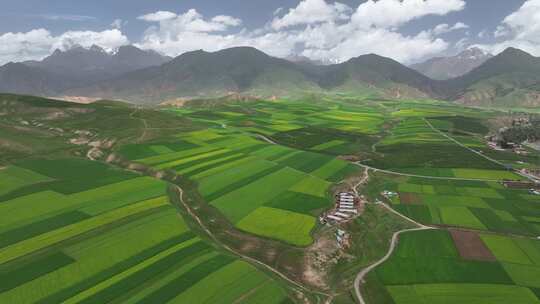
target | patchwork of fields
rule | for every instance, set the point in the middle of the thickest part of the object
(262, 188)
(469, 204)
(485, 250)
(75, 231)
(458, 267)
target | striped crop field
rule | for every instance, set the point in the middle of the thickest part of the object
(102, 244)
(245, 178)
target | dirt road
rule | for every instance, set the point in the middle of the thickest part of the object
(393, 243)
(423, 176)
(364, 179)
(247, 258)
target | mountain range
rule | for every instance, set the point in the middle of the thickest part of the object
(443, 68)
(509, 79)
(75, 67)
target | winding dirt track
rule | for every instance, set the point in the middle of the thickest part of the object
(393, 243)
(530, 177)
(423, 176)
(364, 178)
(360, 277)
(247, 258)
(462, 145)
(145, 124)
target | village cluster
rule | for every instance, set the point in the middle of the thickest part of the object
(345, 209)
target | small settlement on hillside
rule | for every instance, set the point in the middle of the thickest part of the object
(346, 208)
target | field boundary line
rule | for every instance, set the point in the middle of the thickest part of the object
(478, 153)
(247, 258)
(132, 116)
(462, 145)
(393, 243)
(424, 176)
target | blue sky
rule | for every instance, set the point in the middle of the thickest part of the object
(406, 30)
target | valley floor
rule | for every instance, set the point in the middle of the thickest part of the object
(221, 204)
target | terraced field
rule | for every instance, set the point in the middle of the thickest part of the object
(76, 231)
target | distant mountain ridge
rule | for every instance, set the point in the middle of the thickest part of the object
(507, 80)
(510, 79)
(247, 70)
(201, 74)
(75, 67)
(443, 68)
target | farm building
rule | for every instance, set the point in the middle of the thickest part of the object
(335, 218)
(343, 215)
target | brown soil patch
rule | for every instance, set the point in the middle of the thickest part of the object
(76, 99)
(470, 246)
(410, 198)
(321, 256)
(177, 102)
(351, 158)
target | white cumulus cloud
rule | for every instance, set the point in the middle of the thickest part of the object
(314, 28)
(521, 29)
(108, 39)
(157, 16)
(393, 13)
(319, 29)
(39, 43)
(446, 28)
(312, 11)
(178, 33)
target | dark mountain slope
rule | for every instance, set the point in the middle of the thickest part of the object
(376, 72)
(200, 73)
(249, 71)
(21, 79)
(443, 68)
(76, 67)
(94, 64)
(508, 79)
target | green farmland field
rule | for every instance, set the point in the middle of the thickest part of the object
(418, 274)
(218, 201)
(284, 225)
(102, 244)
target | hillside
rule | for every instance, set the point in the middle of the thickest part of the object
(250, 71)
(443, 68)
(74, 67)
(95, 64)
(22, 79)
(509, 79)
(373, 73)
(201, 73)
